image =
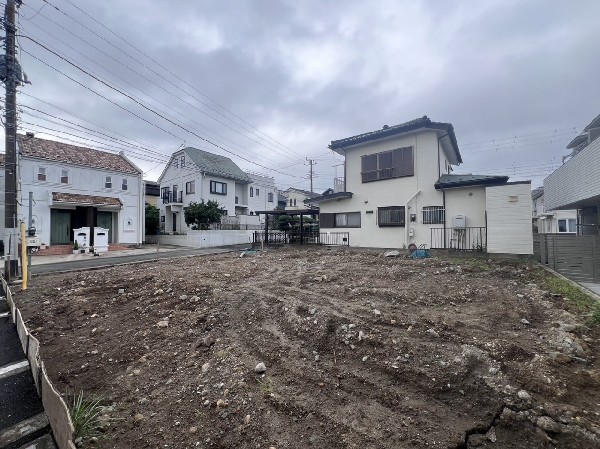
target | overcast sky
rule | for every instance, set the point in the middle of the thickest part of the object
(274, 82)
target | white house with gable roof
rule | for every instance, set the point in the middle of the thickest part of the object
(398, 190)
(75, 187)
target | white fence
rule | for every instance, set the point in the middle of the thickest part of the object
(204, 239)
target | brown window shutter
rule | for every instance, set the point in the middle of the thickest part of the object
(326, 220)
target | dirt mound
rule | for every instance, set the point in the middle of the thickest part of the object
(361, 351)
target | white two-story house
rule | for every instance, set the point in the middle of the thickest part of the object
(262, 194)
(77, 187)
(296, 198)
(551, 221)
(399, 190)
(576, 183)
(193, 175)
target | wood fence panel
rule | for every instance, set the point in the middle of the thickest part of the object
(575, 256)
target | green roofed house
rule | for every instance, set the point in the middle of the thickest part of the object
(193, 175)
(399, 189)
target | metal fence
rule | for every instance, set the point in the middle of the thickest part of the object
(575, 256)
(464, 239)
(306, 238)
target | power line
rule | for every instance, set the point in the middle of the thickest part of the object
(573, 128)
(137, 102)
(186, 117)
(149, 69)
(173, 74)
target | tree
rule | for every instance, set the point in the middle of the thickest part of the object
(201, 215)
(152, 219)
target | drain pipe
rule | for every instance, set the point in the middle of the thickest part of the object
(407, 217)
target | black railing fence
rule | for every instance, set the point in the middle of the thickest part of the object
(466, 239)
(305, 238)
(169, 197)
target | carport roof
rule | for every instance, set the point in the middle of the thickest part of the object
(90, 200)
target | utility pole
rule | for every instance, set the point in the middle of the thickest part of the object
(10, 129)
(311, 162)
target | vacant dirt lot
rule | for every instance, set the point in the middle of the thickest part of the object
(361, 351)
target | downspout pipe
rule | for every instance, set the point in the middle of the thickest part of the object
(407, 216)
(443, 191)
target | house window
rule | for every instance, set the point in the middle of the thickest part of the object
(64, 176)
(218, 188)
(124, 184)
(237, 200)
(391, 216)
(257, 192)
(162, 218)
(270, 197)
(251, 192)
(294, 201)
(388, 164)
(108, 182)
(182, 163)
(567, 226)
(434, 215)
(341, 220)
(190, 187)
(41, 174)
(176, 163)
(291, 202)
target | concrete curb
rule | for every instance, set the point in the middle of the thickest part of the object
(109, 265)
(54, 405)
(584, 289)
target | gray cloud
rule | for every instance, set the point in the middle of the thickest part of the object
(310, 72)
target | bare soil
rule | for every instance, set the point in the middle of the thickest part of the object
(361, 351)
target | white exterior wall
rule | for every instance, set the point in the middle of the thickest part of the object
(509, 222)
(204, 239)
(265, 185)
(549, 223)
(467, 201)
(577, 180)
(180, 176)
(82, 181)
(295, 195)
(367, 197)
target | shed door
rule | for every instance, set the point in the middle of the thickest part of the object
(60, 227)
(105, 220)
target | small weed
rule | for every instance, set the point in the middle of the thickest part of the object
(266, 386)
(222, 354)
(577, 297)
(85, 413)
(475, 263)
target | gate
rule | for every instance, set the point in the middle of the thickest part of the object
(304, 238)
(575, 256)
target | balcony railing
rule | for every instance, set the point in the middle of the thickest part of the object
(465, 239)
(171, 197)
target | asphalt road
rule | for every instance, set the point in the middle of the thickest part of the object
(100, 262)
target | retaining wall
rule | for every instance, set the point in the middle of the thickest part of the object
(54, 406)
(204, 239)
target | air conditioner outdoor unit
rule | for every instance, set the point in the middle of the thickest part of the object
(459, 222)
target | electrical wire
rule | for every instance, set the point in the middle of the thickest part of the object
(135, 101)
(148, 68)
(127, 42)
